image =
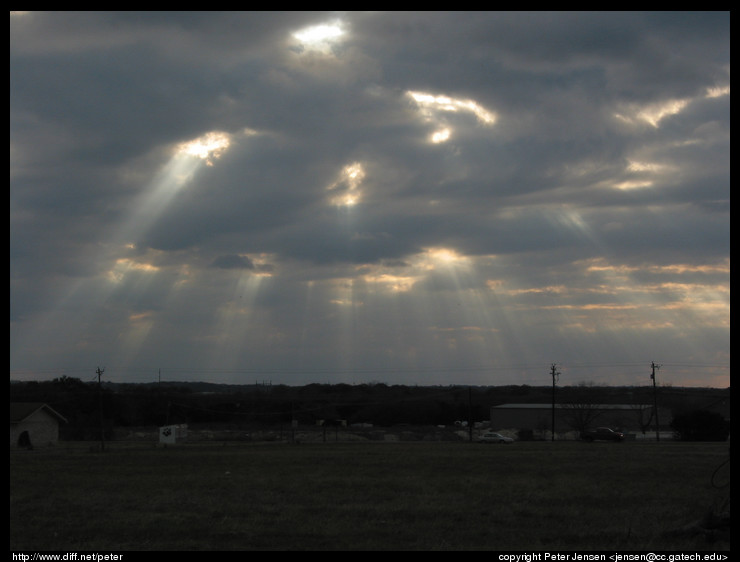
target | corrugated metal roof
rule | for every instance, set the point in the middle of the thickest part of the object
(573, 406)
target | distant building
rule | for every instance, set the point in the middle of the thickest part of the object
(34, 424)
(173, 434)
(629, 418)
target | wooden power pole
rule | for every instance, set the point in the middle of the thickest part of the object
(100, 372)
(655, 400)
(555, 374)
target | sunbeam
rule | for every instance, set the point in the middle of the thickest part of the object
(178, 173)
(234, 330)
(347, 192)
(132, 286)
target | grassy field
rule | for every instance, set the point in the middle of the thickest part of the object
(366, 496)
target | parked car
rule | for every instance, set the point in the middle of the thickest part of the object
(602, 434)
(491, 437)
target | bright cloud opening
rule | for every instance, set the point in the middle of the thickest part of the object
(444, 256)
(442, 135)
(653, 114)
(718, 91)
(207, 147)
(636, 166)
(402, 278)
(431, 103)
(321, 37)
(642, 173)
(124, 265)
(633, 184)
(393, 283)
(346, 190)
(432, 108)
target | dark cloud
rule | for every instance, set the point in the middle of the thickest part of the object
(233, 262)
(428, 189)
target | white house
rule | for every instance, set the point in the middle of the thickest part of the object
(34, 424)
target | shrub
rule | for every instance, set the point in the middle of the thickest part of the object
(701, 425)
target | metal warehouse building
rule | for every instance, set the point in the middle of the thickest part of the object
(629, 418)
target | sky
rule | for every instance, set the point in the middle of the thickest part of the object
(411, 198)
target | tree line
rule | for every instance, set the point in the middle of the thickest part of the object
(157, 404)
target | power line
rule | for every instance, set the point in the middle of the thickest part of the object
(530, 370)
(267, 370)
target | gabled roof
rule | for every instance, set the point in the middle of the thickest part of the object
(19, 411)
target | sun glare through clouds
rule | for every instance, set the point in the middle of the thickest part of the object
(655, 113)
(442, 256)
(431, 103)
(207, 147)
(352, 196)
(432, 108)
(442, 135)
(188, 158)
(125, 265)
(400, 278)
(127, 273)
(319, 33)
(321, 37)
(345, 191)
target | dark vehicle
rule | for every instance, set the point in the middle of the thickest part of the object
(602, 434)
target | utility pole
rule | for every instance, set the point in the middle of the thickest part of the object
(655, 400)
(100, 372)
(555, 374)
(470, 414)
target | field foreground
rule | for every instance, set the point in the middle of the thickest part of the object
(369, 496)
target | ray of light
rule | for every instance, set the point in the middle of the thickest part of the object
(130, 342)
(179, 172)
(97, 298)
(442, 306)
(231, 335)
(308, 322)
(348, 303)
(620, 308)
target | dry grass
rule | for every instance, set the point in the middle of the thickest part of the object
(365, 496)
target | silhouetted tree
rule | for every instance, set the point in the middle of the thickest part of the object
(701, 425)
(581, 407)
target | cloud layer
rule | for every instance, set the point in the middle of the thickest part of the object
(416, 198)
